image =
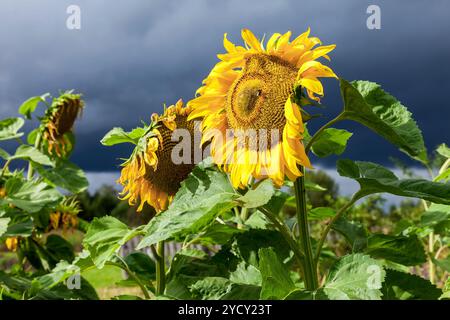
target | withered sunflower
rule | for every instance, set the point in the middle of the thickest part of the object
(150, 175)
(65, 215)
(251, 89)
(58, 122)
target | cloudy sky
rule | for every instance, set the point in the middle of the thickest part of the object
(132, 56)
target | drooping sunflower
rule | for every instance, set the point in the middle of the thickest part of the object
(150, 175)
(58, 123)
(251, 88)
(65, 215)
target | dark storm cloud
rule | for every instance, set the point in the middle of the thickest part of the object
(131, 57)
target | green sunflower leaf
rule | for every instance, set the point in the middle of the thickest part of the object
(331, 141)
(354, 233)
(66, 175)
(104, 238)
(32, 154)
(408, 251)
(365, 102)
(30, 196)
(404, 286)
(443, 150)
(259, 196)
(355, 276)
(4, 225)
(118, 135)
(9, 128)
(276, 282)
(374, 178)
(202, 197)
(29, 106)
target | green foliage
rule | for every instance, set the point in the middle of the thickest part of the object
(104, 238)
(118, 135)
(368, 104)
(203, 196)
(29, 106)
(9, 128)
(66, 175)
(276, 283)
(373, 178)
(404, 286)
(31, 196)
(32, 154)
(355, 276)
(331, 141)
(407, 251)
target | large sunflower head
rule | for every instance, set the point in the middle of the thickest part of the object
(58, 123)
(150, 175)
(247, 105)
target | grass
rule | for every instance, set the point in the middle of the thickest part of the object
(107, 282)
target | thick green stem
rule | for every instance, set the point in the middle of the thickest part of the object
(309, 266)
(160, 269)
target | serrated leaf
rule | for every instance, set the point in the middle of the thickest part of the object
(9, 128)
(368, 104)
(66, 175)
(246, 274)
(29, 106)
(247, 244)
(142, 265)
(443, 150)
(217, 233)
(404, 286)
(355, 276)
(202, 197)
(374, 178)
(4, 225)
(104, 238)
(408, 251)
(331, 141)
(354, 232)
(31, 195)
(259, 196)
(276, 282)
(118, 135)
(210, 288)
(32, 154)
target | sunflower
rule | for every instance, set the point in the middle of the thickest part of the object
(149, 175)
(251, 90)
(58, 122)
(65, 215)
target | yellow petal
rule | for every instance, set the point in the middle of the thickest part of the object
(312, 85)
(251, 40)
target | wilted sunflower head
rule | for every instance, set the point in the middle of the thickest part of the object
(150, 174)
(58, 123)
(65, 215)
(248, 96)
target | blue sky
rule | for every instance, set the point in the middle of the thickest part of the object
(130, 57)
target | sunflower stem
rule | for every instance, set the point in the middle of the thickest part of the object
(37, 145)
(309, 266)
(160, 269)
